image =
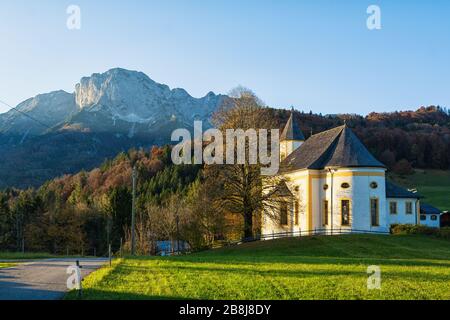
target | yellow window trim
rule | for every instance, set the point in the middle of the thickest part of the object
(310, 216)
(325, 212)
(378, 211)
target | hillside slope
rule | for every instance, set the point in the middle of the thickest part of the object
(412, 267)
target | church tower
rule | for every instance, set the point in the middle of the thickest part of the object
(291, 138)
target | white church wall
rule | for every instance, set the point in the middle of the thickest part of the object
(288, 146)
(358, 193)
(401, 217)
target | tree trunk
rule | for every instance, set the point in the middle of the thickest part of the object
(248, 223)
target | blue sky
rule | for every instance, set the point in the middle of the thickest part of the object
(314, 55)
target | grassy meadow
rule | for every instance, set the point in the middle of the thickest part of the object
(24, 256)
(6, 265)
(319, 267)
(434, 185)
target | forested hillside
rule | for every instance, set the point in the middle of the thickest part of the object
(83, 212)
(401, 140)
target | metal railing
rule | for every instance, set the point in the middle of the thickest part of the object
(313, 232)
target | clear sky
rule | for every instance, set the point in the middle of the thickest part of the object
(314, 55)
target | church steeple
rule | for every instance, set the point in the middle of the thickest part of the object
(291, 137)
(292, 130)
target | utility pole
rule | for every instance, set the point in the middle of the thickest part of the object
(133, 213)
(178, 234)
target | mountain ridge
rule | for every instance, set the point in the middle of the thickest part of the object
(130, 97)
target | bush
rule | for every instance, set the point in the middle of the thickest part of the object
(413, 229)
(443, 233)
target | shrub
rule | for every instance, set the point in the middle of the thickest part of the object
(443, 233)
(413, 229)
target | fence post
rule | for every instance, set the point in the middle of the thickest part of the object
(109, 253)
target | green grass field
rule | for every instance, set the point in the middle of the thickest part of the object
(24, 256)
(6, 265)
(434, 185)
(412, 267)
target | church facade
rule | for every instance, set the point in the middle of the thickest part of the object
(336, 184)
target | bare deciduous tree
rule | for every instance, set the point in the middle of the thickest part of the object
(243, 190)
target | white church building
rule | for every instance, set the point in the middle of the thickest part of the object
(336, 185)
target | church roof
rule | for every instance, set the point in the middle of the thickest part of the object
(426, 208)
(338, 147)
(394, 191)
(292, 130)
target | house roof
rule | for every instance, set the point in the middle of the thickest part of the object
(338, 147)
(426, 208)
(394, 191)
(292, 130)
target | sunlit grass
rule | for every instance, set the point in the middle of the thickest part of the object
(7, 265)
(412, 267)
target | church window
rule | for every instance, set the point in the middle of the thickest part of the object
(284, 214)
(325, 212)
(296, 210)
(374, 212)
(325, 187)
(345, 185)
(345, 212)
(393, 207)
(408, 207)
(373, 185)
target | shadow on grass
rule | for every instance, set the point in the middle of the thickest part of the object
(195, 271)
(297, 260)
(95, 294)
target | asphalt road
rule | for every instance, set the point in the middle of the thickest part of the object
(41, 279)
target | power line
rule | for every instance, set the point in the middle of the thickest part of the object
(67, 138)
(25, 114)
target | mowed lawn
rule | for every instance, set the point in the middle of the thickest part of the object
(24, 256)
(6, 265)
(412, 267)
(434, 185)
